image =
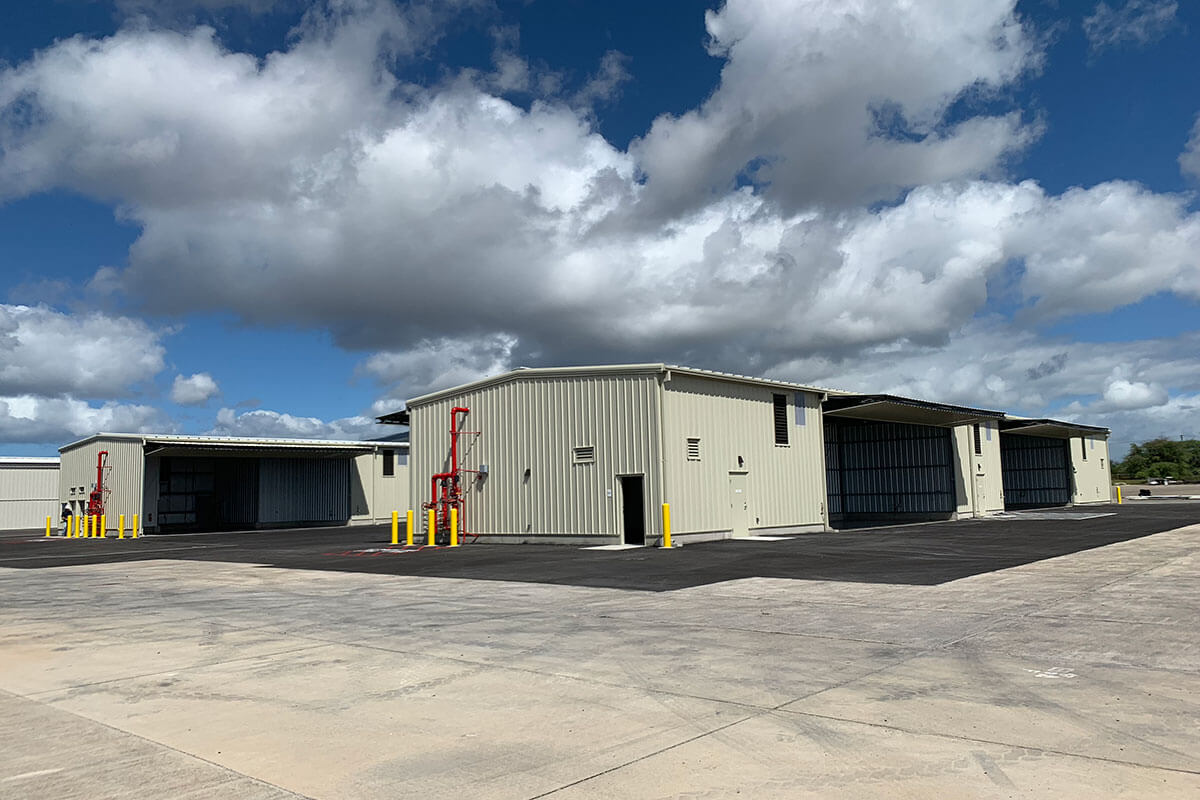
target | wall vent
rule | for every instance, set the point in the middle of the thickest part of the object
(781, 418)
(693, 449)
(584, 455)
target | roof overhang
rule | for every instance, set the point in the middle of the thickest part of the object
(1050, 428)
(400, 417)
(890, 408)
(255, 450)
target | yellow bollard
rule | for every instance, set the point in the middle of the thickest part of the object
(454, 527)
(87, 526)
(71, 527)
(432, 526)
(121, 527)
(408, 528)
(395, 527)
(135, 525)
(666, 542)
(103, 532)
(1118, 495)
(47, 527)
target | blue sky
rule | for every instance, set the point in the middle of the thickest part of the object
(278, 218)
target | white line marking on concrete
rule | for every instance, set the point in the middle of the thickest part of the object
(27, 775)
(613, 547)
(1053, 672)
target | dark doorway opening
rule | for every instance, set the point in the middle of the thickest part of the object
(207, 494)
(633, 509)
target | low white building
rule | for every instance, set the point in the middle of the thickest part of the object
(28, 492)
(209, 483)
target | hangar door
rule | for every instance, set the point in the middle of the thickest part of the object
(1036, 471)
(884, 471)
(199, 493)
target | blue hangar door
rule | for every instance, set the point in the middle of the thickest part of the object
(879, 472)
(1036, 471)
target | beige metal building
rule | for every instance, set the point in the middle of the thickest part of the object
(207, 483)
(592, 453)
(28, 492)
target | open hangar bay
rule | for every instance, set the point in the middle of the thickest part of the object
(185, 484)
(1039, 654)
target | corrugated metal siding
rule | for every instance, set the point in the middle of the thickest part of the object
(373, 495)
(77, 477)
(785, 484)
(27, 496)
(534, 424)
(1093, 477)
(304, 490)
(881, 468)
(362, 487)
(1036, 471)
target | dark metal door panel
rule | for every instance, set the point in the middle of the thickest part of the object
(878, 469)
(1036, 471)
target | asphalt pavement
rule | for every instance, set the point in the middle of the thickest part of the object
(930, 553)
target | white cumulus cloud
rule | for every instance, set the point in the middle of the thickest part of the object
(32, 419)
(824, 101)
(48, 352)
(262, 423)
(194, 390)
(1121, 394)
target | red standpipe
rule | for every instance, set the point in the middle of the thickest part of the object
(450, 481)
(95, 505)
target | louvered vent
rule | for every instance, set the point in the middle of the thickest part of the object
(585, 455)
(781, 418)
(693, 449)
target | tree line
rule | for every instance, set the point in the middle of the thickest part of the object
(1160, 458)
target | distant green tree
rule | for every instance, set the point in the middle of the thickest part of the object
(1160, 458)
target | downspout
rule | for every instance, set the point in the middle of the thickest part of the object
(660, 389)
(141, 501)
(824, 464)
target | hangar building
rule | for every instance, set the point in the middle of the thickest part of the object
(28, 492)
(211, 483)
(1050, 463)
(591, 454)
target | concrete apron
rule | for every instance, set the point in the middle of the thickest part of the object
(1075, 676)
